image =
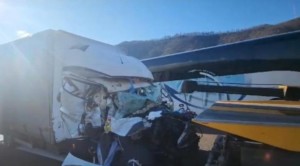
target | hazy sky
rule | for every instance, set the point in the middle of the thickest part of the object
(114, 21)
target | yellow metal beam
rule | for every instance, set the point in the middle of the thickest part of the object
(275, 103)
(284, 137)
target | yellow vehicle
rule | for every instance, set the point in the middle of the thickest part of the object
(257, 122)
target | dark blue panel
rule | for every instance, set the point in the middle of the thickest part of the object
(279, 52)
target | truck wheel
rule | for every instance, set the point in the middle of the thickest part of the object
(134, 162)
(134, 154)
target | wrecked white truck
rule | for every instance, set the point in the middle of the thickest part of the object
(86, 103)
(66, 95)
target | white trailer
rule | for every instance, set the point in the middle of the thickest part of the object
(31, 78)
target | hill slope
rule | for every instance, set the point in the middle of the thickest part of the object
(190, 41)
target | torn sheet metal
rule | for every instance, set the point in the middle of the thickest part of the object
(91, 105)
(126, 126)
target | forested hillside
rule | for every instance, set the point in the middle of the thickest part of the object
(196, 40)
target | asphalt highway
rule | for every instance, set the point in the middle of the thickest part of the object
(13, 157)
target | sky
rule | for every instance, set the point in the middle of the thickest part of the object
(115, 21)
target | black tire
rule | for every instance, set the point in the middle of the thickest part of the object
(134, 153)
